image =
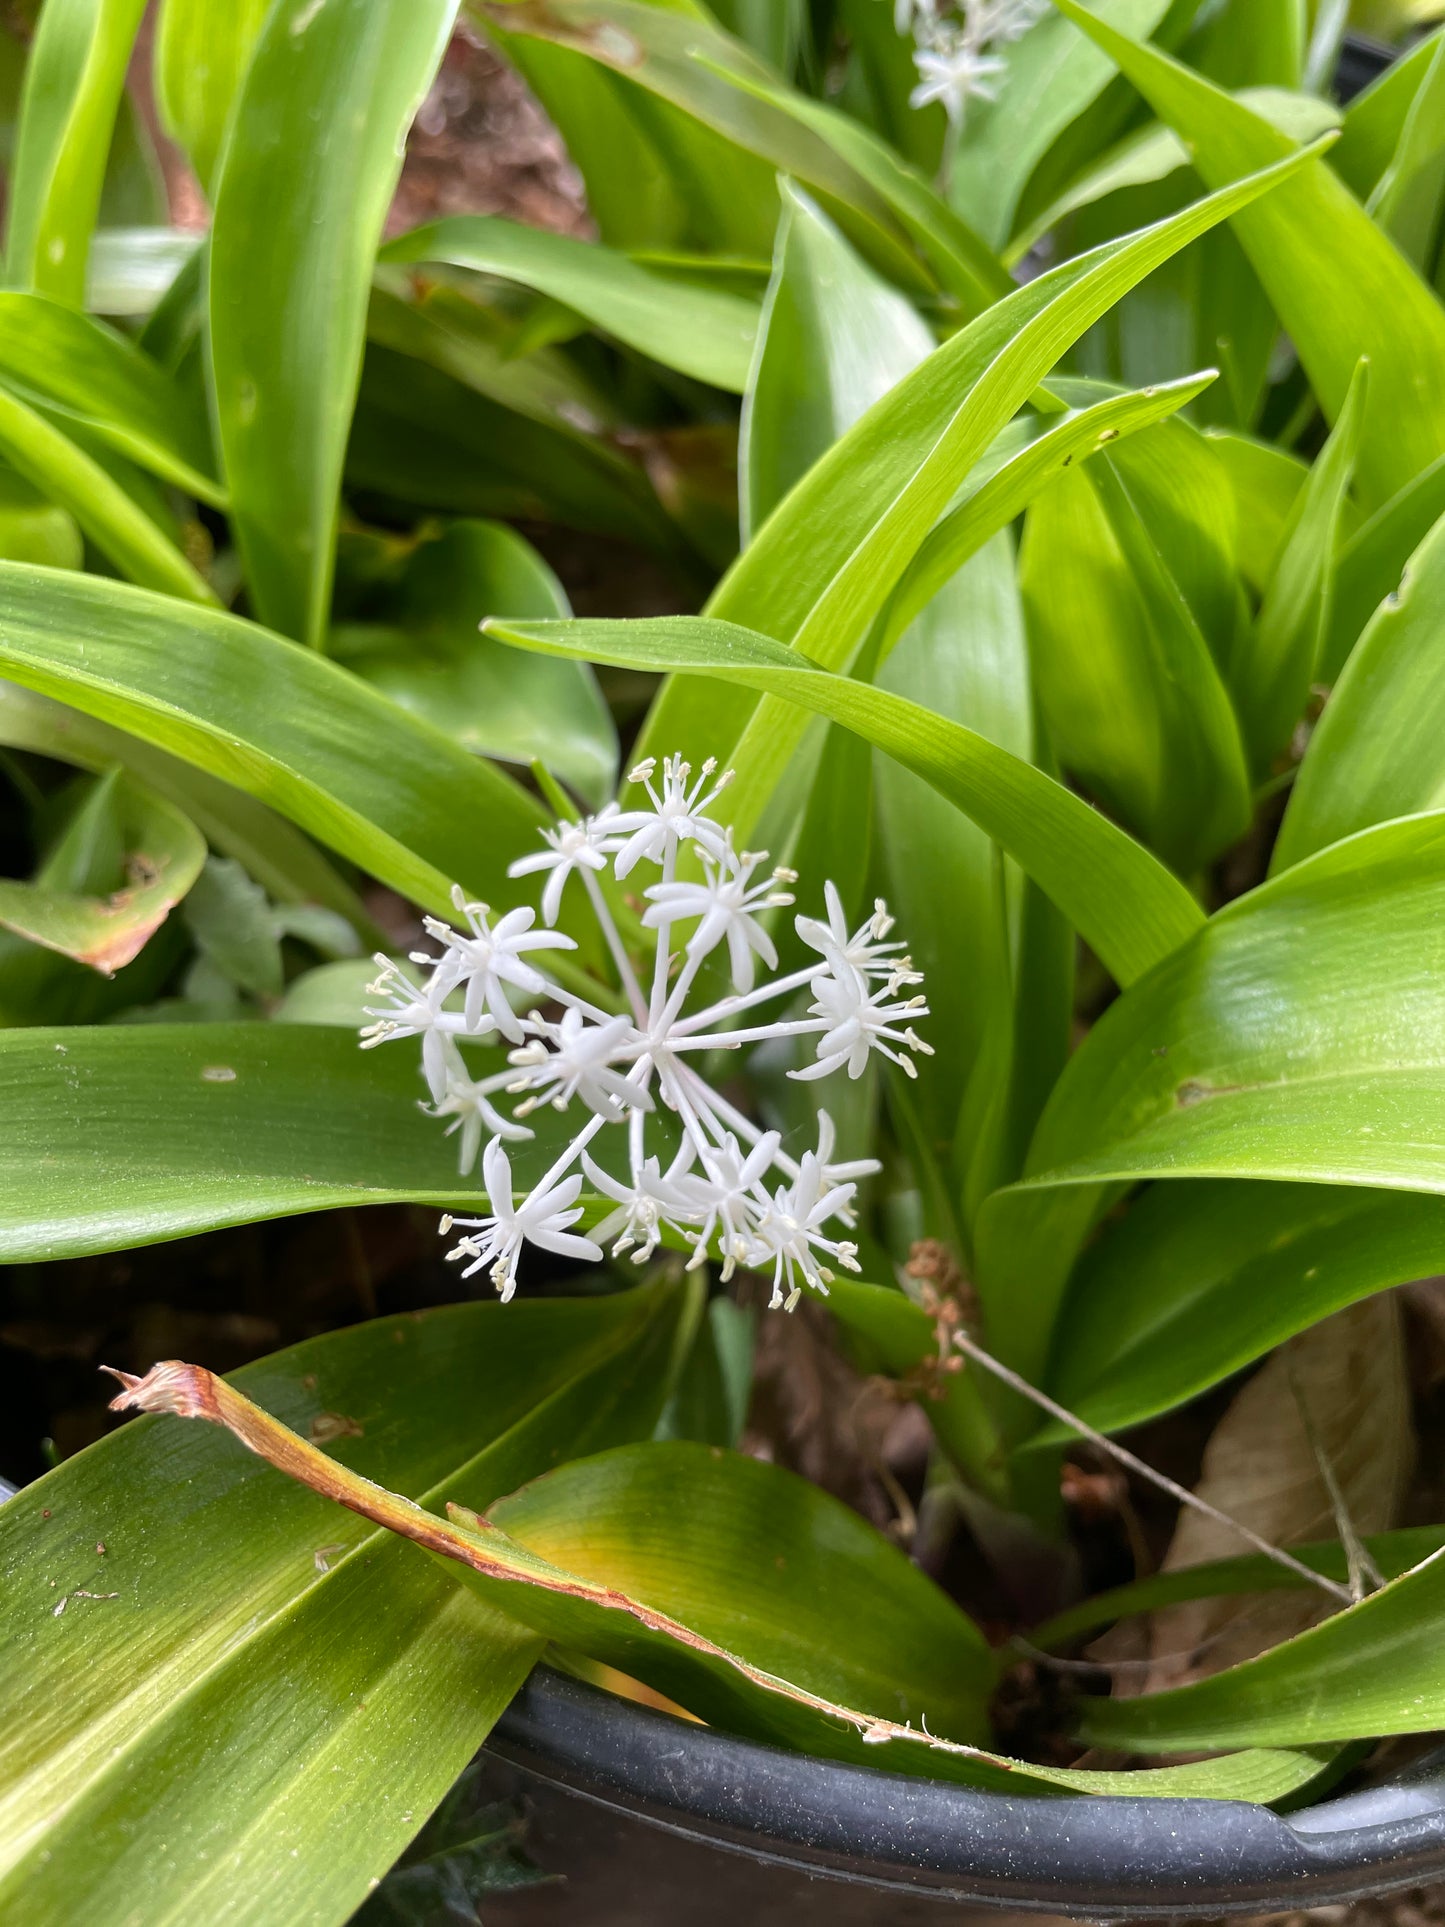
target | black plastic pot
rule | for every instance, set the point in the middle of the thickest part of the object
(1092, 1858)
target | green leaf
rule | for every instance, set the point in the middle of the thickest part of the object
(1278, 660)
(1376, 118)
(1374, 1668)
(1060, 442)
(1121, 899)
(74, 81)
(1393, 1553)
(698, 1533)
(655, 177)
(1337, 282)
(313, 158)
(34, 530)
(1406, 199)
(201, 57)
(127, 1135)
(1134, 702)
(704, 332)
(421, 646)
(963, 264)
(296, 732)
(232, 923)
(289, 866)
(86, 370)
(692, 65)
(1265, 481)
(1373, 561)
(131, 268)
(1378, 750)
(1154, 152)
(1052, 75)
(1292, 1039)
(826, 560)
(965, 656)
(471, 340)
(1197, 1280)
(826, 1553)
(834, 339)
(156, 858)
(266, 1712)
(76, 481)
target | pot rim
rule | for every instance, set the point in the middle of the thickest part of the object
(1091, 1856)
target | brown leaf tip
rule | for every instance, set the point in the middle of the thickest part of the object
(170, 1386)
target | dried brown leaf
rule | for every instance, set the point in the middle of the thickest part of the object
(1338, 1393)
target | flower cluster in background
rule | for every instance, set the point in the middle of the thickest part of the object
(722, 1185)
(955, 55)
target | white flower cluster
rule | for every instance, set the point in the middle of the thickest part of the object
(955, 58)
(729, 1189)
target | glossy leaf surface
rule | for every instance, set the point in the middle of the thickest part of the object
(1197, 1280)
(1132, 910)
(606, 1621)
(826, 560)
(1278, 661)
(1294, 1038)
(94, 373)
(119, 525)
(1379, 749)
(1337, 282)
(1374, 1668)
(1051, 75)
(201, 56)
(290, 729)
(73, 86)
(248, 1703)
(421, 646)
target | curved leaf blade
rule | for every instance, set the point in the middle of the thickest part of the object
(610, 1623)
(1378, 750)
(829, 556)
(1123, 900)
(90, 371)
(1198, 1280)
(161, 853)
(1338, 283)
(201, 56)
(267, 1710)
(313, 160)
(1374, 1668)
(1062, 443)
(704, 332)
(74, 82)
(277, 721)
(62, 470)
(1278, 661)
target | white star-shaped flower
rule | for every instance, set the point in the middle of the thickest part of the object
(489, 957)
(416, 1011)
(576, 1058)
(858, 1023)
(677, 816)
(467, 1102)
(540, 1219)
(575, 848)
(725, 904)
(862, 950)
(955, 74)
